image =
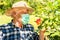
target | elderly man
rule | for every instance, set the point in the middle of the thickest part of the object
(18, 28)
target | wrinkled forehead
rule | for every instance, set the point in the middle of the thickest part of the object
(21, 10)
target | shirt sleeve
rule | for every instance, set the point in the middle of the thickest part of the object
(35, 36)
(1, 35)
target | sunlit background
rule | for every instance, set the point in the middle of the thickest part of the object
(47, 10)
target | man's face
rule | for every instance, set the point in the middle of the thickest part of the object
(21, 15)
(21, 11)
(18, 12)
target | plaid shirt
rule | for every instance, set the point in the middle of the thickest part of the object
(11, 32)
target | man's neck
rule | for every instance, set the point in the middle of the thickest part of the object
(17, 23)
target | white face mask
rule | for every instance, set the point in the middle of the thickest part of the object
(25, 18)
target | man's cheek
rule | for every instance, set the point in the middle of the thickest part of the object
(19, 19)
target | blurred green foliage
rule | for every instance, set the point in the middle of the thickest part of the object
(47, 10)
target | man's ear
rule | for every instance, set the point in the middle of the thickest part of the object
(9, 12)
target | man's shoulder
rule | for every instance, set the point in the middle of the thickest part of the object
(4, 26)
(28, 27)
(8, 24)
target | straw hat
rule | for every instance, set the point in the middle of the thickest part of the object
(19, 5)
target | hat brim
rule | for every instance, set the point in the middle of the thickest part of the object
(29, 9)
(11, 11)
